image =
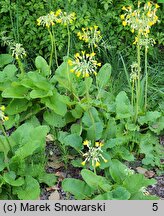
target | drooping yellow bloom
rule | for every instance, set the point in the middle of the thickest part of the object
(97, 164)
(83, 163)
(2, 108)
(124, 23)
(86, 142)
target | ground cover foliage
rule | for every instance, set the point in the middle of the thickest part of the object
(87, 76)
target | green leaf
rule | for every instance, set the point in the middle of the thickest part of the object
(42, 66)
(17, 106)
(10, 178)
(123, 106)
(29, 191)
(76, 128)
(95, 131)
(54, 119)
(78, 188)
(2, 164)
(16, 91)
(136, 182)
(74, 141)
(120, 193)
(118, 171)
(5, 59)
(150, 117)
(103, 76)
(77, 112)
(39, 81)
(34, 140)
(90, 116)
(9, 72)
(125, 154)
(54, 103)
(38, 93)
(104, 196)
(49, 179)
(4, 146)
(94, 181)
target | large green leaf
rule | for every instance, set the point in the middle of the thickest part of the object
(39, 81)
(10, 178)
(90, 117)
(29, 191)
(5, 59)
(118, 171)
(33, 141)
(120, 193)
(55, 103)
(39, 93)
(78, 188)
(95, 131)
(15, 91)
(17, 106)
(4, 146)
(42, 66)
(9, 72)
(150, 117)
(94, 181)
(104, 196)
(54, 119)
(123, 107)
(103, 76)
(73, 140)
(47, 178)
(136, 182)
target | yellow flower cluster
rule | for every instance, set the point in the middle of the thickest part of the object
(18, 51)
(84, 65)
(90, 35)
(2, 115)
(94, 154)
(141, 19)
(56, 17)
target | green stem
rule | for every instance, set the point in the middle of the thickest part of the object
(138, 86)
(52, 49)
(69, 40)
(20, 66)
(56, 57)
(146, 75)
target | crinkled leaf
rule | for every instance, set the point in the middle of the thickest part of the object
(10, 178)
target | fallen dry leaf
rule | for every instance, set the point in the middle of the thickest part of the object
(54, 196)
(149, 174)
(141, 170)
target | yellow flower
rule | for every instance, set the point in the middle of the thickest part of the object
(97, 144)
(86, 142)
(2, 108)
(70, 62)
(147, 31)
(77, 55)
(92, 54)
(6, 118)
(72, 70)
(149, 4)
(97, 164)
(148, 14)
(124, 23)
(157, 6)
(83, 163)
(105, 160)
(99, 64)
(122, 16)
(132, 30)
(78, 73)
(123, 8)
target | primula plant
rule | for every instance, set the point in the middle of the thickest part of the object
(97, 125)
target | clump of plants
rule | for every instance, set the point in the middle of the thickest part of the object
(75, 104)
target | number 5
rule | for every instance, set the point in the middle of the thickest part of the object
(155, 207)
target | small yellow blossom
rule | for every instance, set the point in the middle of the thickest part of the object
(2, 108)
(97, 164)
(83, 163)
(122, 16)
(124, 23)
(86, 142)
(123, 8)
(157, 6)
(6, 118)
